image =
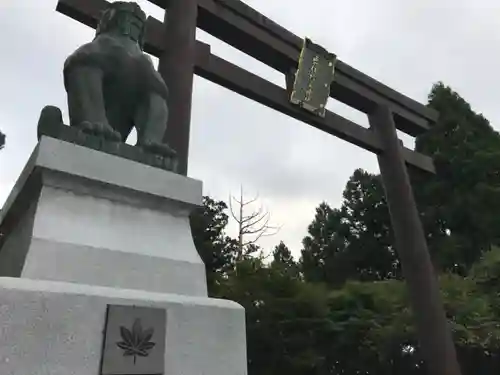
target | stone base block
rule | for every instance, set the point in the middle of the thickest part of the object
(56, 328)
(84, 216)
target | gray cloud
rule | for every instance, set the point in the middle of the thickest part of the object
(406, 44)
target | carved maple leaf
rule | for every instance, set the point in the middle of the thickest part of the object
(136, 342)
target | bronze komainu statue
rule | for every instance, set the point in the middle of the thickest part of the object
(112, 85)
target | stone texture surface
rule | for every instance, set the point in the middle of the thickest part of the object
(81, 161)
(55, 328)
(102, 220)
(14, 250)
(93, 165)
(50, 260)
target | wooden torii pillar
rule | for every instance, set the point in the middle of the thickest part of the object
(177, 69)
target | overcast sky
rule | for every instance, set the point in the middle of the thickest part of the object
(407, 45)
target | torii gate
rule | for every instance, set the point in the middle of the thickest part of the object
(237, 24)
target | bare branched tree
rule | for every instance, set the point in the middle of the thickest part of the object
(252, 225)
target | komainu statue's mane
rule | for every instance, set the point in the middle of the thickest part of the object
(117, 17)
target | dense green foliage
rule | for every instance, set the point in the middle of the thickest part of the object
(342, 307)
(464, 197)
(353, 242)
(216, 249)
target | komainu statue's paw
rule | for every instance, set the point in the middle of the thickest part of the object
(100, 130)
(157, 148)
(163, 155)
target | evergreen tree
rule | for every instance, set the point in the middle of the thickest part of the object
(217, 250)
(371, 253)
(283, 261)
(460, 204)
(323, 247)
(355, 241)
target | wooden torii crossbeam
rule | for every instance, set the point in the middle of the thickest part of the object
(242, 27)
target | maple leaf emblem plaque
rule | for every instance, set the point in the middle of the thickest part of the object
(134, 341)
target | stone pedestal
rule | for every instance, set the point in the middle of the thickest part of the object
(56, 328)
(83, 230)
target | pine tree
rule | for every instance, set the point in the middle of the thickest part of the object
(460, 204)
(283, 261)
